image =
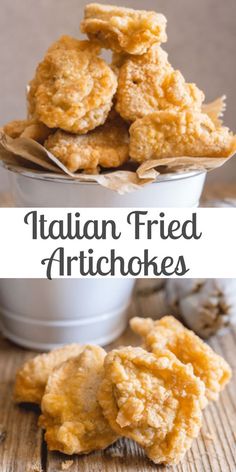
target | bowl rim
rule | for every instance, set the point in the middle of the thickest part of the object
(64, 179)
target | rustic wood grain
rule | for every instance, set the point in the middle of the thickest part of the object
(23, 449)
(20, 451)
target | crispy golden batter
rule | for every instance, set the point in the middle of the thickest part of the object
(31, 379)
(106, 146)
(154, 399)
(123, 29)
(15, 128)
(174, 134)
(149, 83)
(118, 59)
(72, 416)
(30, 129)
(73, 87)
(169, 333)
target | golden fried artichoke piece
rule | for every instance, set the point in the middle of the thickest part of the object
(31, 129)
(149, 83)
(106, 146)
(123, 29)
(169, 333)
(32, 377)
(73, 87)
(118, 59)
(178, 133)
(153, 399)
(71, 414)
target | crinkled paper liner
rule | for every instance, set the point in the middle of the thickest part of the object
(19, 154)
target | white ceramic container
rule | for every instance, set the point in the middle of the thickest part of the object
(42, 314)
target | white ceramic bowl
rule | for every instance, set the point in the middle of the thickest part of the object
(43, 314)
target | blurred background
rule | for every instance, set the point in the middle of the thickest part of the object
(201, 43)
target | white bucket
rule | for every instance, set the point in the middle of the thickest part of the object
(170, 190)
(43, 314)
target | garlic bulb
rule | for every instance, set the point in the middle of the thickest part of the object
(205, 305)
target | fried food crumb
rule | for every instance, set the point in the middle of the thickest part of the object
(32, 377)
(66, 465)
(123, 29)
(208, 437)
(178, 133)
(73, 87)
(169, 333)
(149, 83)
(3, 434)
(34, 468)
(153, 399)
(31, 129)
(116, 453)
(106, 146)
(71, 414)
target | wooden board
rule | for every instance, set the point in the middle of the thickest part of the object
(22, 448)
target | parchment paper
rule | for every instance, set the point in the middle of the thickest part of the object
(23, 153)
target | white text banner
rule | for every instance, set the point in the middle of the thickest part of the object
(120, 242)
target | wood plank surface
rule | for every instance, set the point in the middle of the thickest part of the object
(22, 448)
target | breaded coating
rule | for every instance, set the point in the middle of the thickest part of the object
(106, 146)
(123, 29)
(149, 83)
(32, 377)
(169, 333)
(73, 87)
(174, 134)
(30, 129)
(15, 128)
(153, 399)
(118, 59)
(71, 414)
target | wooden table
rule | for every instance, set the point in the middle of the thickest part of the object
(22, 448)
